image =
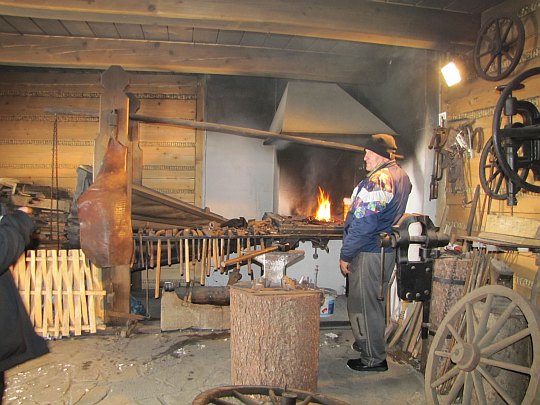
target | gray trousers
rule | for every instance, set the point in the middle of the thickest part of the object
(366, 313)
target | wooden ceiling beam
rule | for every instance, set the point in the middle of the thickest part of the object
(349, 20)
(159, 56)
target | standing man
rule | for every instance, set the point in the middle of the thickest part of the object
(377, 203)
(18, 341)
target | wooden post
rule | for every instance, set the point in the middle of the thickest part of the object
(275, 337)
(113, 122)
(135, 167)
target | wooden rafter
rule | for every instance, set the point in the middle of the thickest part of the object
(99, 53)
(348, 20)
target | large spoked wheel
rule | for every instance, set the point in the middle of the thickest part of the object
(492, 178)
(261, 395)
(486, 351)
(505, 139)
(498, 47)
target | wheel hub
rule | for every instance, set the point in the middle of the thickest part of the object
(466, 356)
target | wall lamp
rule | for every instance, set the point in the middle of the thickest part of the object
(451, 74)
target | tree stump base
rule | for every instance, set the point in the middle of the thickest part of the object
(275, 337)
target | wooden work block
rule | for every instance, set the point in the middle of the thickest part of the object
(275, 337)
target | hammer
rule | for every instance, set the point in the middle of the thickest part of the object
(285, 247)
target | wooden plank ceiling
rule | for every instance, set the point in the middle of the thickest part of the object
(347, 41)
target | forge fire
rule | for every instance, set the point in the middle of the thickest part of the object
(324, 207)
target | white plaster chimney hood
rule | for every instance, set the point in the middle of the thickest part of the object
(319, 109)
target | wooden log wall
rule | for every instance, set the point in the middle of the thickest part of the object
(472, 102)
(61, 291)
(172, 156)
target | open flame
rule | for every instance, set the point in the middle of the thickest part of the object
(323, 210)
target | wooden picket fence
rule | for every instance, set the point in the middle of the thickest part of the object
(62, 292)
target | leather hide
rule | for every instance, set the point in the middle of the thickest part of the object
(104, 212)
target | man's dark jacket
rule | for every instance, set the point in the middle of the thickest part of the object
(385, 191)
(18, 340)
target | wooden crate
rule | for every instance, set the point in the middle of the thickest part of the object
(62, 292)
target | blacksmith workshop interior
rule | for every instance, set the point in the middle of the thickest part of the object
(189, 167)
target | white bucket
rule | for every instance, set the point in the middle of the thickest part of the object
(327, 308)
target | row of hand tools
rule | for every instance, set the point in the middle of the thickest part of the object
(197, 251)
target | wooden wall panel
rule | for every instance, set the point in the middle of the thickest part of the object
(26, 128)
(473, 101)
(168, 108)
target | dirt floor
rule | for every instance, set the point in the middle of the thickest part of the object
(154, 367)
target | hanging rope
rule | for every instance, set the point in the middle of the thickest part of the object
(54, 184)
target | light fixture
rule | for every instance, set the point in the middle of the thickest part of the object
(451, 74)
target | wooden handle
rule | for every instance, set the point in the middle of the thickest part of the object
(158, 269)
(248, 256)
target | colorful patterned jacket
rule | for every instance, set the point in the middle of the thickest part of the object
(377, 203)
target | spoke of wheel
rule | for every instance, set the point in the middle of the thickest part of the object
(505, 34)
(501, 344)
(496, 386)
(484, 53)
(507, 366)
(499, 64)
(445, 377)
(245, 399)
(489, 63)
(498, 170)
(496, 327)
(479, 387)
(498, 31)
(468, 388)
(440, 353)
(469, 318)
(484, 318)
(455, 334)
(456, 388)
(498, 185)
(508, 56)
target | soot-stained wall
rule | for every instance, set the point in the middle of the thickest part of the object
(240, 172)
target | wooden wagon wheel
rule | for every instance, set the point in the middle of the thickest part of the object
(498, 47)
(473, 352)
(261, 395)
(492, 178)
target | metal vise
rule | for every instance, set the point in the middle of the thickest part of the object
(414, 277)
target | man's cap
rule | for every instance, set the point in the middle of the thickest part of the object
(382, 144)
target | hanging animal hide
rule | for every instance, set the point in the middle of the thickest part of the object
(105, 212)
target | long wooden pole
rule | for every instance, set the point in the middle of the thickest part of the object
(247, 132)
(229, 129)
(251, 255)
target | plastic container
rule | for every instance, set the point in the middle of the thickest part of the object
(327, 308)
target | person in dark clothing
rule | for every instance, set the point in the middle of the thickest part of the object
(18, 340)
(377, 203)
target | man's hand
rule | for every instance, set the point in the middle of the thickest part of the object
(26, 210)
(344, 267)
